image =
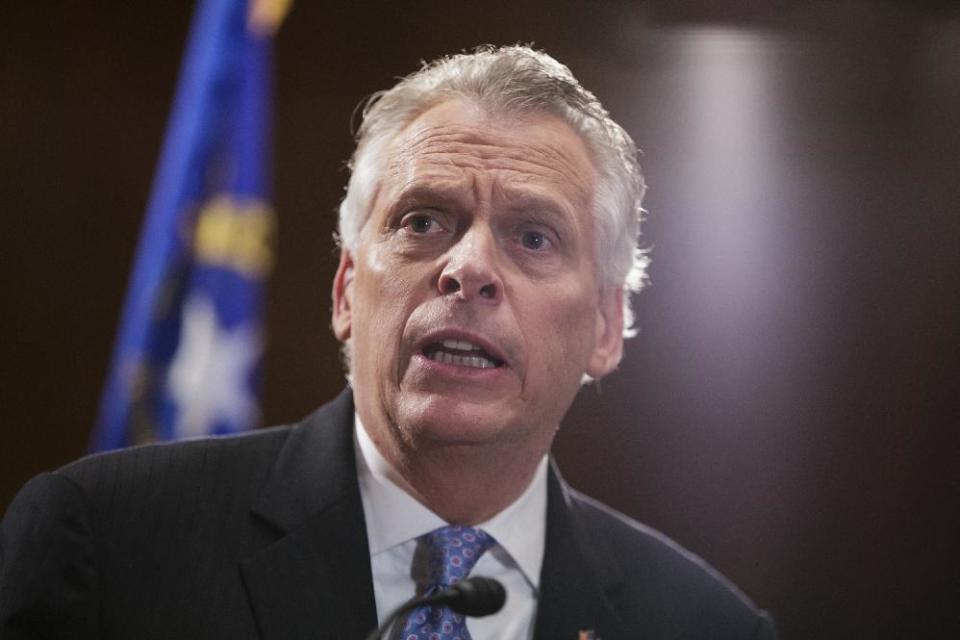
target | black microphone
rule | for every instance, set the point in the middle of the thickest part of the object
(476, 597)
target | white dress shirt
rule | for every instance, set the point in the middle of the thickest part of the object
(395, 519)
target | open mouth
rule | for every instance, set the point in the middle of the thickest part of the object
(461, 353)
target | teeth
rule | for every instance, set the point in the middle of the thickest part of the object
(461, 345)
(478, 362)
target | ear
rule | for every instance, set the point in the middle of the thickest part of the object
(608, 344)
(343, 297)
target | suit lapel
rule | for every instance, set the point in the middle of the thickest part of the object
(577, 578)
(313, 580)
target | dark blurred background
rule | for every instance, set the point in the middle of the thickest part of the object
(790, 408)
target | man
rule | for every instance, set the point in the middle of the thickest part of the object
(488, 252)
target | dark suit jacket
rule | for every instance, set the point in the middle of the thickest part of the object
(262, 536)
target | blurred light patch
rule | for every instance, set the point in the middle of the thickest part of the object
(731, 196)
(729, 140)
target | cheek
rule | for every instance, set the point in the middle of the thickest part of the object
(391, 279)
(564, 333)
(385, 295)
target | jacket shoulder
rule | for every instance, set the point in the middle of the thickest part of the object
(164, 468)
(675, 588)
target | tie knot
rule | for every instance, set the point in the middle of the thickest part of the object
(454, 551)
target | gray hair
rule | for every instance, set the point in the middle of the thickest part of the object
(512, 80)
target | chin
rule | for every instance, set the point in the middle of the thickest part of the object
(454, 420)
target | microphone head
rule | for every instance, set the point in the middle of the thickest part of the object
(477, 597)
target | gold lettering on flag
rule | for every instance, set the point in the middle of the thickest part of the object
(236, 235)
(265, 16)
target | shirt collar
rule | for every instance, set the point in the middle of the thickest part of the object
(394, 516)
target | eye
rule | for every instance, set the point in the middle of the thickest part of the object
(534, 240)
(421, 224)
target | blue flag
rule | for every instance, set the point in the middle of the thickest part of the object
(186, 358)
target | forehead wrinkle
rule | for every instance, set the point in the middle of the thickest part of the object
(457, 147)
(465, 152)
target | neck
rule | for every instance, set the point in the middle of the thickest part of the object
(467, 484)
(464, 484)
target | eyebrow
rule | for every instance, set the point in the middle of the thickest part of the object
(421, 191)
(546, 208)
(530, 200)
(517, 199)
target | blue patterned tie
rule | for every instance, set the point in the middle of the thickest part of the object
(453, 552)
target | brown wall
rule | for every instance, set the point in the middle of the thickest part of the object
(789, 410)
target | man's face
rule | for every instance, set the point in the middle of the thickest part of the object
(472, 303)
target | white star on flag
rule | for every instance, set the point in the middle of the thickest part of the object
(209, 372)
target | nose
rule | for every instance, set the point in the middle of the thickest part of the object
(471, 271)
